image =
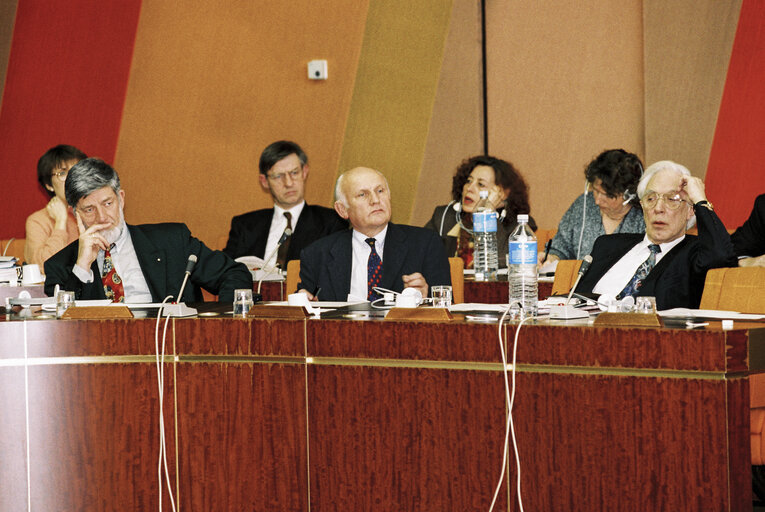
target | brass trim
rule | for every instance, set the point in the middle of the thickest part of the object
(387, 363)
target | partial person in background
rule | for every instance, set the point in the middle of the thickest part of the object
(749, 239)
(132, 263)
(664, 262)
(283, 172)
(350, 264)
(51, 229)
(508, 194)
(610, 206)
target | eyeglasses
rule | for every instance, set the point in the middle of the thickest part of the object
(294, 174)
(671, 201)
(61, 174)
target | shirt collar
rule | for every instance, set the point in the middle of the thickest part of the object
(294, 211)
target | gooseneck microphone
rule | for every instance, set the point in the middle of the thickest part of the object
(582, 270)
(257, 297)
(190, 263)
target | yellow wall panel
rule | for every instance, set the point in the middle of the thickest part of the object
(213, 82)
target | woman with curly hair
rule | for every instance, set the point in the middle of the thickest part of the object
(508, 194)
(610, 206)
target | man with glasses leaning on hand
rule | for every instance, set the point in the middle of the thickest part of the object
(283, 171)
(664, 262)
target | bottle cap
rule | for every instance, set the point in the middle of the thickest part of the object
(523, 217)
(483, 194)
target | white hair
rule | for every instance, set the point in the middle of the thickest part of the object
(663, 165)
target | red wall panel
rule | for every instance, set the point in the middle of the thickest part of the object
(66, 82)
(736, 171)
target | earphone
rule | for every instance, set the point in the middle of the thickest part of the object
(457, 207)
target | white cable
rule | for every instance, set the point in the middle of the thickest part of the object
(584, 217)
(160, 358)
(443, 218)
(509, 400)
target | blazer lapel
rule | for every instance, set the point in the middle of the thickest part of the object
(394, 256)
(152, 261)
(260, 232)
(339, 266)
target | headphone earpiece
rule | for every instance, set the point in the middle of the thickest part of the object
(628, 196)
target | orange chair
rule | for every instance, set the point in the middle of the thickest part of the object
(543, 235)
(13, 247)
(293, 276)
(741, 289)
(565, 276)
(456, 270)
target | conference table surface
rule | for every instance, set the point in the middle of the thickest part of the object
(350, 412)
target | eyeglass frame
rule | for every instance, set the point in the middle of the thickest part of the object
(669, 202)
(59, 174)
(294, 174)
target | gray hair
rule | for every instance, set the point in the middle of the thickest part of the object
(340, 195)
(653, 169)
(86, 177)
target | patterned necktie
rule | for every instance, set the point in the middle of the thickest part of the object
(374, 271)
(643, 270)
(281, 254)
(113, 288)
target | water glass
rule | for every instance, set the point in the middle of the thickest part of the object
(64, 300)
(645, 305)
(442, 296)
(242, 301)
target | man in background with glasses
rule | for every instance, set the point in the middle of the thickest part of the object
(664, 262)
(281, 232)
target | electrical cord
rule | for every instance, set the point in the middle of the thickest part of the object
(509, 401)
(160, 358)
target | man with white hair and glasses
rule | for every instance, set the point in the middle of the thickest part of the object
(664, 262)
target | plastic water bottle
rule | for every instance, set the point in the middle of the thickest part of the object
(522, 266)
(485, 239)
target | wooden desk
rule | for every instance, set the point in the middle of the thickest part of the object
(369, 415)
(496, 292)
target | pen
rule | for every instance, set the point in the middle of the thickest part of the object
(547, 250)
(316, 293)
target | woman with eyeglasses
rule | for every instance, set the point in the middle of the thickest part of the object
(608, 205)
(54, 227)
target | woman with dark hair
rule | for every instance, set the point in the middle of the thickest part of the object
(54, 227)
(508, 194)
(610, 205)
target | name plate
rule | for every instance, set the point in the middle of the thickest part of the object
(606, 319)
(97, 312)
(420, 314)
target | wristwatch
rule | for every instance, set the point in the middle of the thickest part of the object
(706, 204)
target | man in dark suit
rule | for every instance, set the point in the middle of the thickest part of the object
(347, 265)
(127, 263)
(749, 239)
(665, 262)
(283, 171)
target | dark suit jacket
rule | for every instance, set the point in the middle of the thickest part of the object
(326, 263)
(749, 239)
(162, 250)
(249, 231)
(677, 281)
(447, 215)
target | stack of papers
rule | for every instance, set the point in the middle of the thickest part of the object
(255, 265)
(8, 265)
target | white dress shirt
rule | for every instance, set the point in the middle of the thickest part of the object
(278, 225)
(361, 252)
(622, 271)
(127, 266)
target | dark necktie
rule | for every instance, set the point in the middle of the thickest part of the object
(281, 254)
(113, 288)
(642, 271)
(374, 271)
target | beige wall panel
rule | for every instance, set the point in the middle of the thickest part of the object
(7, 21)
(395, 89)
(456, 125)
(687, 48)
(212, 83)
(565, 83)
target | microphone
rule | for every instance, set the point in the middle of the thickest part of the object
(566, 312)
(257, 297)
(180, 308)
